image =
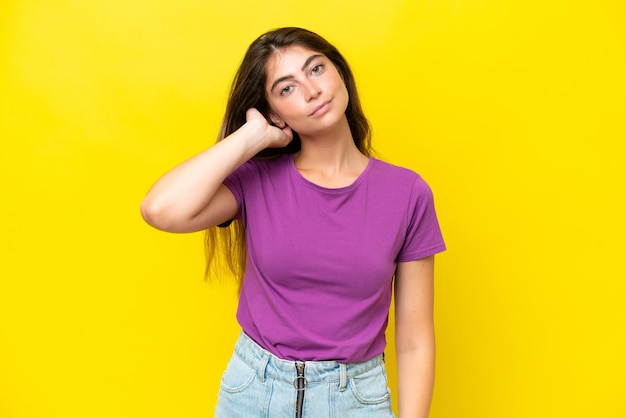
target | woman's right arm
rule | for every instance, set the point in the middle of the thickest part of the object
(191, 197)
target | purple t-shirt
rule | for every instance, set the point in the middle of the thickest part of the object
(320, 262)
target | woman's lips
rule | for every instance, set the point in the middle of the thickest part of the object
(319, 110)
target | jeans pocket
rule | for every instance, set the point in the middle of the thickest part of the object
(371, 387)
(238, 375)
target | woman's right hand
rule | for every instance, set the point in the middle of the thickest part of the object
(274, 136)
(191, 196)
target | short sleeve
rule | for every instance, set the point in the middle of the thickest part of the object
(236, 182)
(423, 237)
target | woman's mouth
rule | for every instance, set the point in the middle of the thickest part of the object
(321, 109)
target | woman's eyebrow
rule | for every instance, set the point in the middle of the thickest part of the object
(308, 60)
(288, 77)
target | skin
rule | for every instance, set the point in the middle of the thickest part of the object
(415, 336)
(299, 82)
(307, 94)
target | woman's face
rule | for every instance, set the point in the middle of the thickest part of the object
(305, 91)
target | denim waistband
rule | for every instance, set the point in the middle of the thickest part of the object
(268, 365)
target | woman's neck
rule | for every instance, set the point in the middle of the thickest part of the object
(331, 159)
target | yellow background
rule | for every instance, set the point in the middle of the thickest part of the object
(512, 110)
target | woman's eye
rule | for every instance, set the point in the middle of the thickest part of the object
(316, 69)
(285, 90)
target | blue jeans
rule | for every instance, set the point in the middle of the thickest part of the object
(259, 384)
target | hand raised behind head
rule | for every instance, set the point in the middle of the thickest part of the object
(277, 137)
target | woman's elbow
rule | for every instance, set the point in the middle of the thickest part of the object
(152, 212)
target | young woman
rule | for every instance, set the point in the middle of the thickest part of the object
(329, 232)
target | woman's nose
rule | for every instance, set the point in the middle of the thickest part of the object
(313, 91)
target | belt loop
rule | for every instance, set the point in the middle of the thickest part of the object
(263, 366)
(343, 377)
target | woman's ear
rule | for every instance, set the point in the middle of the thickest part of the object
(276, 120)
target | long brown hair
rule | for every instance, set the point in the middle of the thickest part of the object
(248, 91)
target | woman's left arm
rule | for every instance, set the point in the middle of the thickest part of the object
(415, 336)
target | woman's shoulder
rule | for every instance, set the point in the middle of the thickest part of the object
(271, 162)
(402, 184)
(265, 165)
(388, 172)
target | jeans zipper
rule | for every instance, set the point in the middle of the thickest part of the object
(299, 384)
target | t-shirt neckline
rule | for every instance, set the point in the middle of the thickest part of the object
(331, 190)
